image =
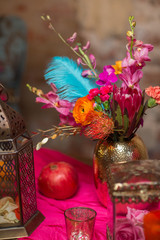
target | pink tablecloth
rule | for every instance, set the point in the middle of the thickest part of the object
(53, 227)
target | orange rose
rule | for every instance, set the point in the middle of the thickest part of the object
(82, 110)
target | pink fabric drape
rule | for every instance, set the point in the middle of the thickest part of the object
(53, 227)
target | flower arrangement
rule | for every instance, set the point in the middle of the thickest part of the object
(90, 102)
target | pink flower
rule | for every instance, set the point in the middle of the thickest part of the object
(136, 215)
(67, 120)
(140, 44)
(104, 92)
(51, 100)
(126, 230)
(93, 60)
(92, 93)
(76, 48)
(129, 99)
(87, 46)
(139, 52)
(72, 38)
(107, 76)
(87, 73)
(130, 78)
(141, 55)
(104, 97)
(79, 61)
(128, 61)
(154, 92)
(106, 89)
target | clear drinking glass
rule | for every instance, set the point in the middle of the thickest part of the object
(80, 223)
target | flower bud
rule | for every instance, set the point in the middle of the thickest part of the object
(79, 61)
(87, 46)
(86, 73)
(130, 34)
(133, 23)
(72, 38)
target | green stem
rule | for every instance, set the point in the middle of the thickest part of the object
(82, 56)
(132, 30)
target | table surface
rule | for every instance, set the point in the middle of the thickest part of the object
(53, 227)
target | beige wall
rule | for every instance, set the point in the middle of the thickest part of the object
(104, 23)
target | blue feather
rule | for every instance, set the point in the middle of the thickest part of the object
(66, 75)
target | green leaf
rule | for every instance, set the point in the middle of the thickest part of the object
(106, 105)
(98, 108)
(125, 121)
(97, 99)
(152, 102)
(118, 116)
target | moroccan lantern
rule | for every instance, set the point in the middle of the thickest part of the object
(19, 216)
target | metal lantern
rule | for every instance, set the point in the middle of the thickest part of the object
(134, 189)
(18, 207)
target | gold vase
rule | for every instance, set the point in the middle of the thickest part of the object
(108, 152)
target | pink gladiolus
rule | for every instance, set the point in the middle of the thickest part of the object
(129, 99)
(72, 38)
(141, 55)
(140, 44)
(107, 76)
(93, 60)
(154, 92)
(128, 61)
(87, 46)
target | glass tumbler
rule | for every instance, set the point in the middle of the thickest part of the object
(80, 223)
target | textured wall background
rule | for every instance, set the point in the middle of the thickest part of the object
(104, 23)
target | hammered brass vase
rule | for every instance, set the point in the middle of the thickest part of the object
(108, 152)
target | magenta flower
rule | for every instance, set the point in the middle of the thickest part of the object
(72, 38)
(129, 99)
(126, 230)
(130, 78)
(107, 76)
